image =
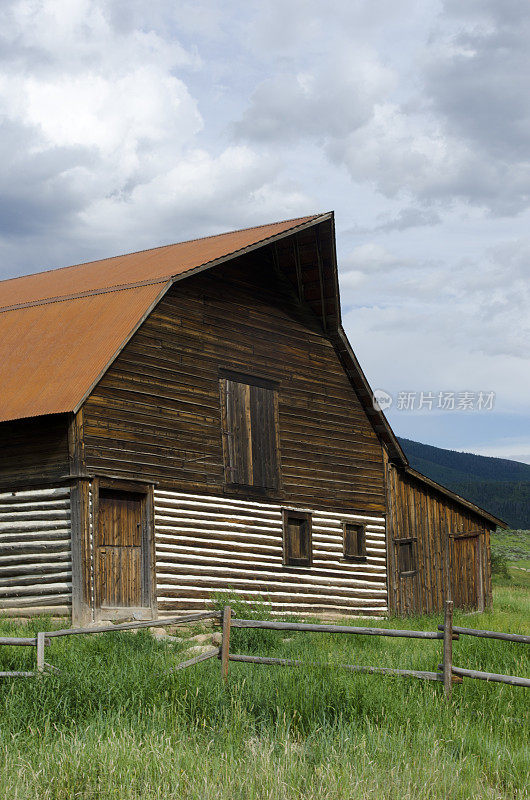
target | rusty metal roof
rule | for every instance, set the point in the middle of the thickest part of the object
(60, 329)
(52, 354)
(147, 266)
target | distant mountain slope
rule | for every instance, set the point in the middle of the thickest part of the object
(498, 485)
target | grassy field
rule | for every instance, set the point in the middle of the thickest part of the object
(113, 725)
(514, 548)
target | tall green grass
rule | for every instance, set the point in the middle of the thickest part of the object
(115, 724)
(514, 546)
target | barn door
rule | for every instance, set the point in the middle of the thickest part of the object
(466, 571)
(122, 554)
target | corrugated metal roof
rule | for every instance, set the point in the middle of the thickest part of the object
(59, 330)
(158, 264)
(50, 355)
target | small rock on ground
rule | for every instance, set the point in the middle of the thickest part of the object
(160, 633)
(198, 650)
(200, 638)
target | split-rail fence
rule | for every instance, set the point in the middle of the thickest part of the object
(447, 672)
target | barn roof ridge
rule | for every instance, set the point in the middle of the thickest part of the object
(82, 295)
(158, 248)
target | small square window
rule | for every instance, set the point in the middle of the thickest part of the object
(354, 541)
(406, 557)
(297, 538)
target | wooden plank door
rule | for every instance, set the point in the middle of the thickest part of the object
(465, 571)
(120, 556)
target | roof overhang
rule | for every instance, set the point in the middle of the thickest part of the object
(455, 497)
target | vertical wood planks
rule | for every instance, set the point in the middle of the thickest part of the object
(265, 464)
(81, 553)
(445, 563)
(239, 432)
(80, 524)
(119, 577)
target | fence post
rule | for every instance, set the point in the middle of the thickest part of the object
(448, 648)
(41, 643)
(225, 644)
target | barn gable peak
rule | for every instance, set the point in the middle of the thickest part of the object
(60, 330)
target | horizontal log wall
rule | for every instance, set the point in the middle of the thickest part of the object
(205, 545)
(35, 554)
(445, 566)
(156, 413)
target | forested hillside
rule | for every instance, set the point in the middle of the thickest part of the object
(499, 485)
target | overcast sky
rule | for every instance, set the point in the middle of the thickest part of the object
(126, 124)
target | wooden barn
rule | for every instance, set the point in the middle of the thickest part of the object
(191, 420)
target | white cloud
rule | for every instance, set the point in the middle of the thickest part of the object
(101, 132)
(125, 125)
(100, 110)
(446, 123)
(439, 326)
(197, 192)
(327, 101)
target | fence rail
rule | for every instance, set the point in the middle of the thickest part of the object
(492, 676)
(43, 639)
(18, 641)
(317, 628)
(505, 637)
(447, 672)
(446, 635)
(289, 662)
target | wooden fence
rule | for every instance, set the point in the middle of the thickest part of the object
(44, 639)
(447, 633)
(447, 673)
(14, 641)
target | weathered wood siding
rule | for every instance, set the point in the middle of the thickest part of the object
(445, 565)
(33, 450)
(156, 414)
(205, 545)
(35, 553)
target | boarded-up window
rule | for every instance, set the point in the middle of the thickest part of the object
(297, 538)
(406, 559)
(250, 432)
(354, 541)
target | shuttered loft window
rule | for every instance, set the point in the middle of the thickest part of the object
(406, 557)
(354, 541)
(250, 431)
(297, 538)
